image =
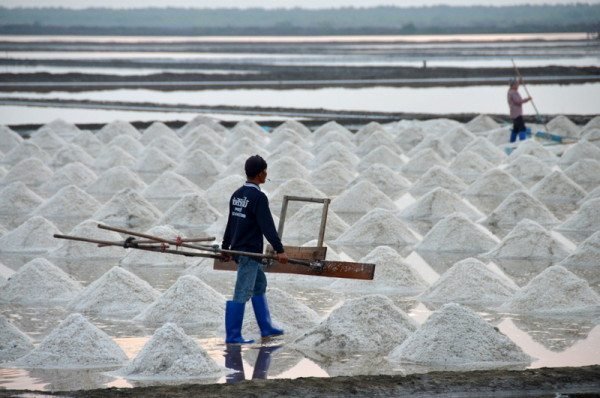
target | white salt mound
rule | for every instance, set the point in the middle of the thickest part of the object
(169, 146)
(584, 261)
(34, 235)
(381, 155)
(535, 149)
(75, 173)
(584, 223)
(157, 130)
(127, 143)
(114, 180)
(470, 281)
(292, 188)
(305, 223)
(438, 204)
(337, 152)
(63, 128)
(469, 166)
(517, 206)
(32, 172)
(171, 354)
(331, 177)
(457, 234)
(361, 198)
(39, 282)
(285, 168)
(153, 161)
(390, 182)
(528, 169)
(581, 150)
(219, 193)
(13, 343)
(16, 199)
(191, 211)
(48, 140)
(170, 185)
(529, 240)
(378, 139)
(189, 301)
(379, 226)
(554, 291)
(202, 120)
(563, 126)
(481, 123)
(71, 153)
(148, 258)
(295, 126)
(455, 335)
(422, 161)
(89, 142)
(25, 150)
(128, 209)
(117, 293)
(294, 151)
(8, 139)
(75, 343)
(69, 203)
(70, 249)
(486, 150)
(115, 129)
(458, 138)
(586, 173)
(113, 156)
(558, 192)
(494, 182)
(435, 177)
(442, 149)
(370, 324)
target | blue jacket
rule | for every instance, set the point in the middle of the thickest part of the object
(249, 219)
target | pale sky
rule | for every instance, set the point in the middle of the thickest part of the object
(269, 3)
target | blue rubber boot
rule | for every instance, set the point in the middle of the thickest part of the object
(263, 317)
(513, 135)
(234, 318)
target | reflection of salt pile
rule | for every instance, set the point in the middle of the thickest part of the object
(581, 150)
(435, 177)
(529, 240)
(392, 274)
(584, 261)
(168, 188)
(370, 324)
(128, 209)
(528, 169)
(331, 177)
(470, 281)
(34, 235)
(114, 180)
(455, 335)
(117, 293)
(39, 282)
(517, 206)
(558, 192)
(583, 223)
(437, 204)
(192, 214)
(359, 199)
(16, 202)
(80, 207)
(171, 354)
(148, 258)
(71, 174)
(390, 182)
(189, 301)
(380, 227)
(422, 161)
(469, 166)
(13, 343)
(75, 343)
(555, 291)
(563, 126)
(586, 173)
(457, 234)
(116, 128)
(304, 225)
(32, 172)
(481, 123)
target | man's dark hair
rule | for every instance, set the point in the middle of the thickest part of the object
(254, 165)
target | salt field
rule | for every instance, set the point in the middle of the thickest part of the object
(484, 259)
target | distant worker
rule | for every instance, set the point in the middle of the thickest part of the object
(249, 219)
(515, 105)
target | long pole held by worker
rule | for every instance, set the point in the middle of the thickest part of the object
(539, 117)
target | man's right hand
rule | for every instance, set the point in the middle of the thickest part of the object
(281, 258)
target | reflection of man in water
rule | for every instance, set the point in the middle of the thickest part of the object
(515, 105)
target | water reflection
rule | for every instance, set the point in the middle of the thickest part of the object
(72, 379)
(262, 363)
(556, 334)
(522, 271)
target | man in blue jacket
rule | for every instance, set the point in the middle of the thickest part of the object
(249, 219)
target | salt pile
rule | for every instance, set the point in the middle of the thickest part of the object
(376, 140)
(285, 168)
(200, 168)
(457, 234)
(171, 354)
(168, 188)
(153, 162)
(157, 130)
(331, 177)
(200, 121)
(583, 223)
(486, 150)
(248, 128)
(199, 132)
(422, 161)
(191, 213)
(16, 201)
(39, 282)
(337, 152)
(13, 343)
(70, 153)
(528, 169)
(71, 174)
(558, 192)
(555, 291)
(115, 129)
(594, 123)
(148, 258)
(481, 123)
(62, 128)
(586, 173)
(367, 130)
(408, 138)
(244, 146)
(113, 156)
(283, 136)
(436, 144)
(80, 207)
(458, 138)
(169, 146)
(579, 151)
(25, 150)
(494, 183)
(361, 198)
(499, 136)
(332, 131)
(529, 240)
(32, 172)
(304, 225)
(387, 180)
(593, 136)
(456, 336)
(71, 249)
(517, 206)
(236, 167)
(128, 209)
(114, 180)
(381, 155)
(469, 166)
(392, 274)
(370, 324)
(89, 142)
(380, 227)
(219, 193)
(435, 177)
(436, 205)
(535, 149)
(584, 261)
(34, 235)
(208, 144)
(117, 293)
(563, 126)
(291, 188)
(9, 139)
(295, 126)
(75, 343)
(47, 140)
(470, 281)
(128, 144)
(189, 301)
(294, 151)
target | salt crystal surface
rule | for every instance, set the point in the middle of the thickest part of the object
(380, 227)
(47, 140)
(583, 223)
(563, 126)
(458, 138)
(529, 240)
(555, 291)
(487, 150)
(244, 146)
(494, 182)
(154, 161)
(148, 258)
(169, 146)
(435, 177)
(392, 275)
(283, 136)
(408, 138)
(157, 130)
(170, 185)
(128, 209)
(248, 126)
(422, 161)
(189, 301)
(191, 212)
(481, 123)
(436, 144)
(581, 150)
(32, 172)
(455, 233)
(500, 136)
(295, 126)
(535, 149)
(203, 134)
(207, 144)
(294, 151)
(456, 336)
(469, 166)
(75, 173)
(75, 343)
(438, 204)
(331, 177)
(338, 152)
(470, 281)
(558, 192)
(586, 173)
(16, 201)
(116, 294)
(381, 155)
(72, 250)
(375, 140)
(292, 187)
(128, 143)
(517, 206)
(361, 198)
(63, 128)
(367, 130)
(438, 126)
(34, 235)
(304, 225)
(89, 142)
(39, 282)
(116, 128)
(114, 180)
(25, 150)
(285, 168)
(70, 153)
(13, 343)
(8, 139)
(80, 206)
(331, 126)
(371, 324)
(113, 156)
(219, 193)
(390, 182)
(584, 261)
(528, 169)
(202, 120)
(171, 355)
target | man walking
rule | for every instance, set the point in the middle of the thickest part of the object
(249, 219)
(515, 105)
